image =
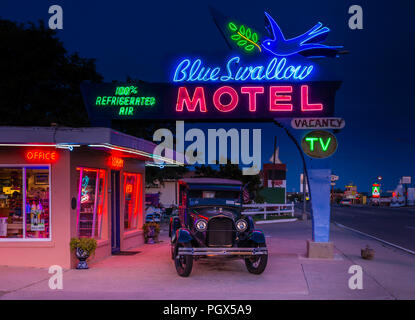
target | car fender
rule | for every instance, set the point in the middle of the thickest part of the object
(257, 236)
(174, 225)
(183, 235)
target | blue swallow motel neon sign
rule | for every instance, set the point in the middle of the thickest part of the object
(277, 69)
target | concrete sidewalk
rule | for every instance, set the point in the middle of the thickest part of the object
(289, 274)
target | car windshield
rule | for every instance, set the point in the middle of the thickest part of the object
(217, 194)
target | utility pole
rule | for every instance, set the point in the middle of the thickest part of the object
(304, 216)
(273, 162)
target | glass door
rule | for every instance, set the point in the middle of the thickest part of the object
(115, 211)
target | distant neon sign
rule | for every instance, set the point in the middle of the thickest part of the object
(41, 156)
(277, 69)
(280, 99)
(375, 190)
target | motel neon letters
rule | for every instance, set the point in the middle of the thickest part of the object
(226, 98)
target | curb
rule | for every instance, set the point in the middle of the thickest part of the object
(276, 221)
(375, 238)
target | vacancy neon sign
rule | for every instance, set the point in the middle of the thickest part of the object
(227, 98)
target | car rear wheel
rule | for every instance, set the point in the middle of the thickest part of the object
(184, 263)
(256, 264)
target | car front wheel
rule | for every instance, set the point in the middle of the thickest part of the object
(183, 263)
(256, 264)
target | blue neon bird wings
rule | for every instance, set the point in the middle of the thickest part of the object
(308, 44)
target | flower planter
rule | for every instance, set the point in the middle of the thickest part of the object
(151, 232)
(82, 257)
(367, 253)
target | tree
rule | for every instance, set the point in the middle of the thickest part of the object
(39, 78)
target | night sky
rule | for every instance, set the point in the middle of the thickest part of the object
(376, 98)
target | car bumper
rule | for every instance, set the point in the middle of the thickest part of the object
(222, 251)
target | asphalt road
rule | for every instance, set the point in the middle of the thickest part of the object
(395, 225)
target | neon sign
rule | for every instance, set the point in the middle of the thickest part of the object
(126, 98)
(307, 44)
(376, 190)
(84, 191)
(280, 99)
(219, 100)
(244, 37)
(277, 69)
(319, 144)
(128, 188)
(115, 162)
(41, 156)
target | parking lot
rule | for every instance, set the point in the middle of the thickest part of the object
(150, 274)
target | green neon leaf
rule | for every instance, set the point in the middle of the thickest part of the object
(241, 43)
(255, 37)
(235, 37)
(232, 26)
(248, 33)
(242, 30)
(249, 47)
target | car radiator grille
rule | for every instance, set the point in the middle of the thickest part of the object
(220, 232)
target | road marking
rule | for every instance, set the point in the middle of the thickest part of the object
(381, 240)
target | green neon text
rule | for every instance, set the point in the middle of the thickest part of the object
(311, 141)
(124, 101)
(324, 146)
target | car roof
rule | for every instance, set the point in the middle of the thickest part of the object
(211, 181)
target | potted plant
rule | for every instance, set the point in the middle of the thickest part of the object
(367, 253)
(151, 232)
(84, 248)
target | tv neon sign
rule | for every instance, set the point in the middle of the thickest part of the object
(280, 99)
(319, 144)
(277, 69)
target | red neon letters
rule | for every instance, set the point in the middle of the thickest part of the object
(191, 104)
(41, 156)
(274, 97)
(280, 99)
(115, 162)
(233, 99)
(252, 91)
(305, 106)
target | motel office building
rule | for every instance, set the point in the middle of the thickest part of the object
(58, 183)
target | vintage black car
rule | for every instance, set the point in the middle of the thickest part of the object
(211, 223)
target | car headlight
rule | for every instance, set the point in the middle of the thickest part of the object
(241, 225)
(201, 225)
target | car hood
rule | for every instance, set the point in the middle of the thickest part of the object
(210, 212)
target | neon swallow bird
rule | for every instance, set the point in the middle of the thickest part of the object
(307, 44)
